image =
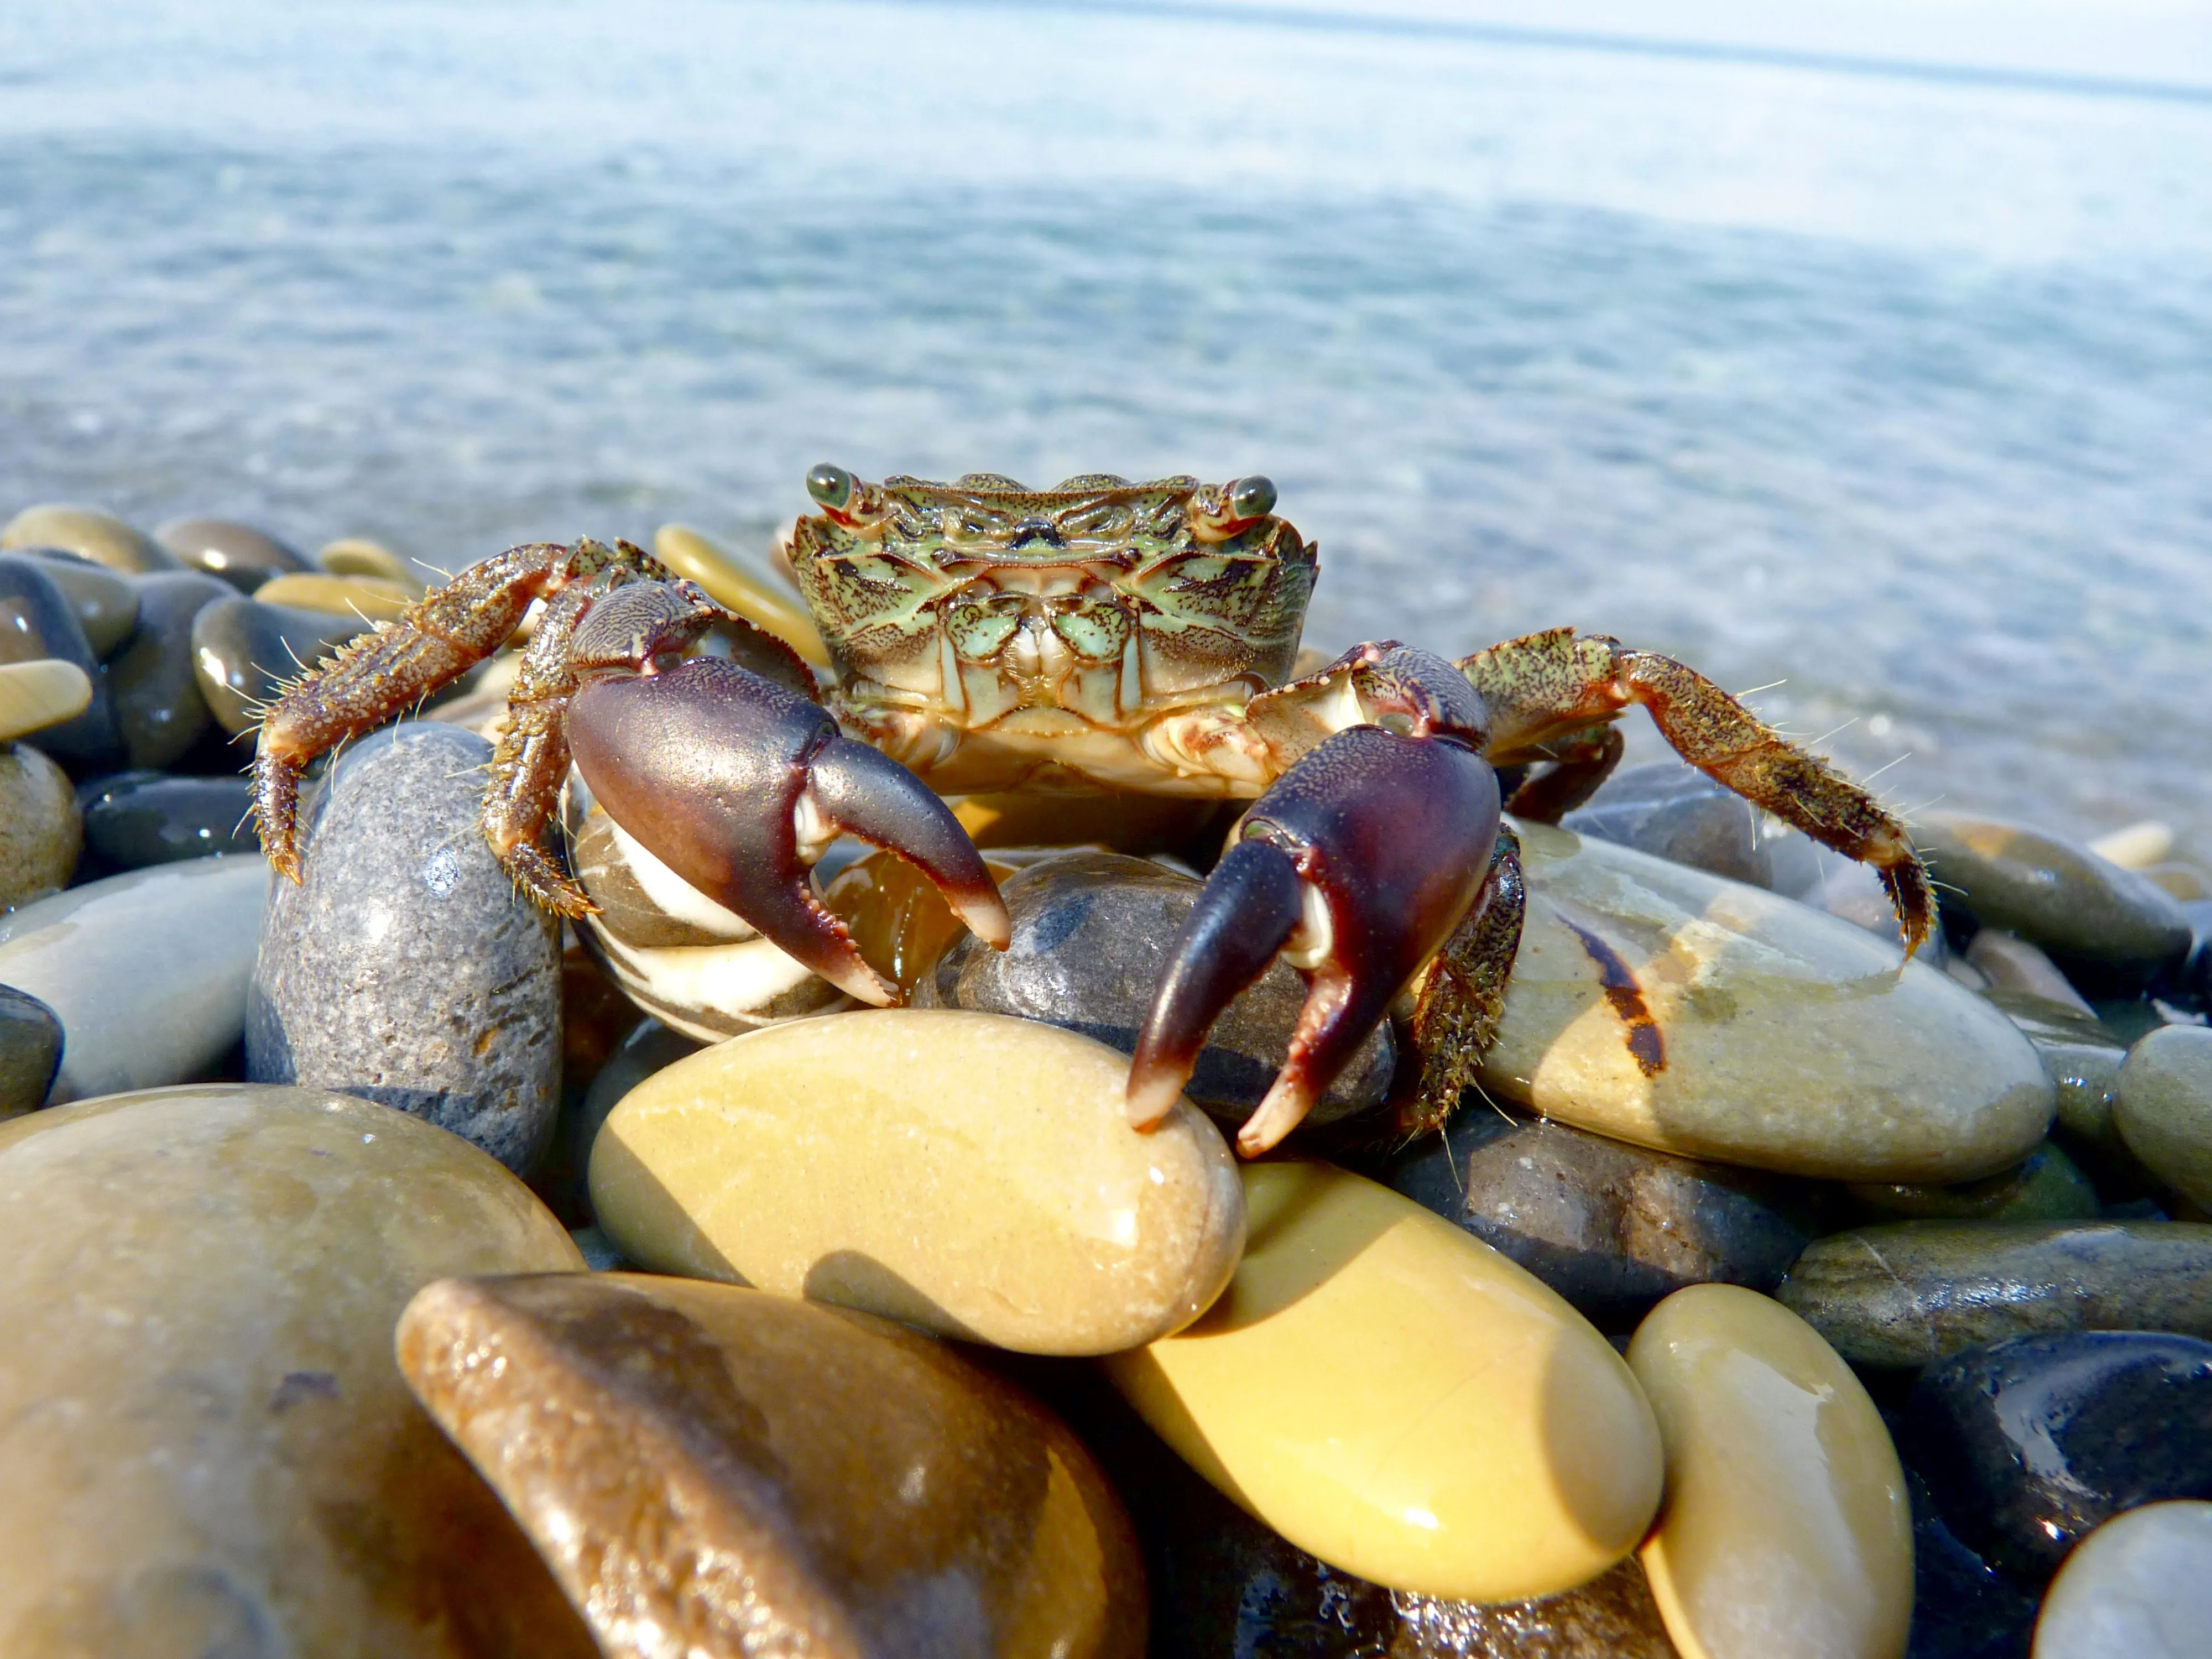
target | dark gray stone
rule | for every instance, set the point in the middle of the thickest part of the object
(1091, 936)
(246, 652)
(30, 1051)
(243, 557)
(106, 603)
(159, 710)
(38, 620)
(1675, 812)
(132, 819)
(1962, 1607)
(407, 969)
(2044, 1186)
(2030, 1444)
(1611, 1227)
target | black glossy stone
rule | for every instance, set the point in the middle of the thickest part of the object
(107, 604)
(1091, 936)
(159, 713)
(37, 620)
(1676, 812)
(132, 819)
(2027, 1445)
(1611, 1227)
(1962, 1607)
(30, 1051)
(245, 652)
(243, 557)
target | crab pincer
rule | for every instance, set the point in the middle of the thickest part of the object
(739, 785)
(1356, 865)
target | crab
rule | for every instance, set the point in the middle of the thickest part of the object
(1098, 636)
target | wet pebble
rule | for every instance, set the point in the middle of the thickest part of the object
(41, 831)
(215, 1452)
(38, 623)
(899, 921)
(244, 652)
(704, 1466)
(160, 711)
(133, 819)
(1786, 1527)
(373, 597)
(1611, 1227)
(563, 1180)
(2044, 1186)
(1962, 1607)
(353, 555)
(106, 603)
(1402, 1401)
(147, 971)
(1661, 1006)
(2010, 963)
(91, 533)
(407, 967)
(2140, 1587)
(970, 1174)
(1913, 1292)
(746, 587)
(2032, 1442)
(1676, 812)
(1092, 932)
(2086, 911)
(243, 557)
(30, 1049)
(36, 696)
(2162, 1107)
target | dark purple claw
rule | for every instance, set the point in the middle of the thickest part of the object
(738, 785)
(1357, 863)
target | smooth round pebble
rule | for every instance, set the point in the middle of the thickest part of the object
(211, 1449)
(1661, 1006)
(35, 697)
(407, 967)
(743, 585)
(41, 830)
(1786, 1528)
(1913, 1292)
(243, 557)
(2044, 1186)
(353, 555)
(160, 711)
(2140, 1587)
(970, 1174)
(106, 601)
(2162, 1107)
(564, 1179)
(30, 1049)
(1401, 1401)
(705, 1466)
(134, 819)
(1674, 811)
(89, 534)
(899, 923)
(376, 598)
(245, 652)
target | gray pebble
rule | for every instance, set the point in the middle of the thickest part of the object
(244, 652)
(1676, 812)
(243, 557)
(30, 1049)
(159, 708)
(107, 604)
(37, 620)
(408, 970)
(132, 819)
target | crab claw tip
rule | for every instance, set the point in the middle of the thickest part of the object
(1154, 1088)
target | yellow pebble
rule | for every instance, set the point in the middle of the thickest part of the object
(354, 555)
(1400, 1399)
(1786, 1529)
(34, 695)
(376, 598)
(749, 593)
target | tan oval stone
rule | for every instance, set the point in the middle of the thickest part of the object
(34, 695)
(372, 596)
(1786, 1528)
(356, 555)
(207, 1446)
(701, 1464)
(1401, 1401)
(41, 828)
(1663, 1005)
(750, 591)
(101, 536)
(2162, 1107)
(970, 1174)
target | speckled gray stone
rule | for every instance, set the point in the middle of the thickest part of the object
(407, 969)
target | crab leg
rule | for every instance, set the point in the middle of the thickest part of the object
(1357, 864)
(739, 785)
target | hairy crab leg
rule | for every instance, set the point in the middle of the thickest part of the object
(738, 785)
(1544, 688)
(1357, 864)
(1458, 999)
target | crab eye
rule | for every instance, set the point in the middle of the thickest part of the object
(1253, 497)
(832, 486)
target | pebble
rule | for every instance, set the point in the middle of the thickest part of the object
(2137, 846)
(750, 589)
(1661, 1006)
(695, 966)
(2162, 1107)
(107, 604)
(2046, 1186)
(30, 1049)
(1401, 1401)
(2009, 962)
(1676, 812)
(1144, 826)
(1913, 1292)
(563, 1180)
(970, 1174)
(2032, 1442)
(1611, 1227)
(41, 831)
(245, 652)
(1962, 1607)
(159, 709)
(407, 967)
(2140, 1587)
(243, 557)
(2084, 910)
(38, 625)
(353, 555)
(1786, 1528)
(712, 1471)
(89, 534)
(133, 819)
(1092, 936)
(375, 597)
(35, 696)
(212, 1451)
(147, 971)
(899, 921)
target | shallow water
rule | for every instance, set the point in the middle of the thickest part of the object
(1898, 391)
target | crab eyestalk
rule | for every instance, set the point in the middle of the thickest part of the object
(739, 786)
(1219, 511)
